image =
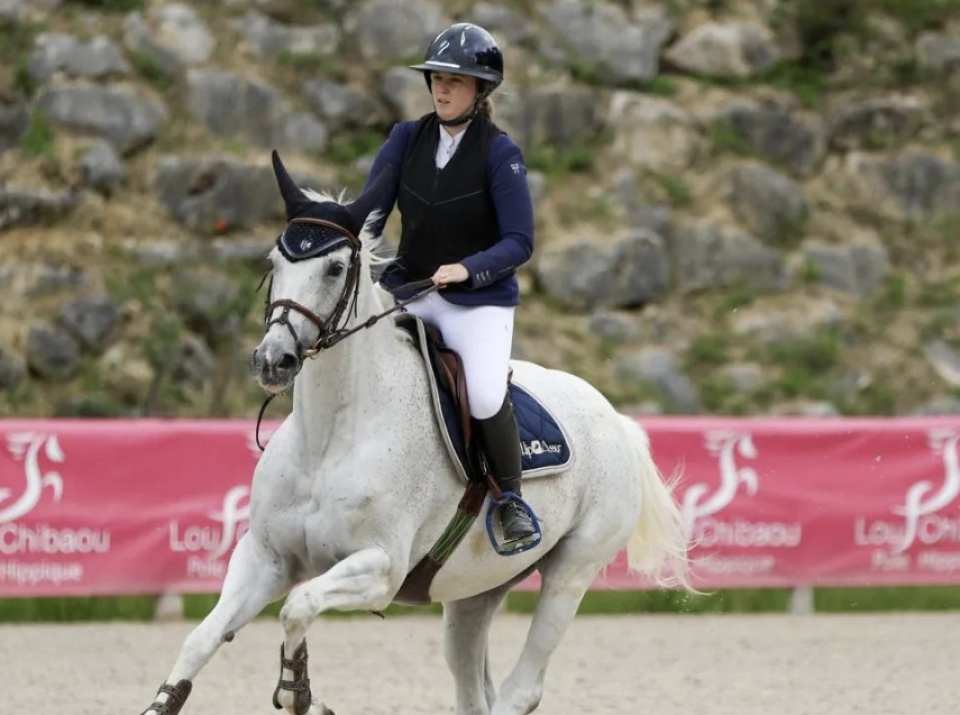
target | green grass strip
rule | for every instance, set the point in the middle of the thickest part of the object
(826, 600)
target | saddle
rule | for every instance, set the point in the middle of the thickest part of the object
(451, 393)
(544, 445)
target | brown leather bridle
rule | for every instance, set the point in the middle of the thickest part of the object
(329, 332)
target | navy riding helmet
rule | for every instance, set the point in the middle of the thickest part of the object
(465, 48)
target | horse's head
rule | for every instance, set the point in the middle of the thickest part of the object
(315, 277)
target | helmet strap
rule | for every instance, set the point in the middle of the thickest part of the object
(469, 116)
(462, 119)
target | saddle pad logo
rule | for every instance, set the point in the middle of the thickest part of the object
(537, 447)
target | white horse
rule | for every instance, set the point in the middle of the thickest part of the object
(356, 486)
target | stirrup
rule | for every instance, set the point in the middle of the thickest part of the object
(520, 546)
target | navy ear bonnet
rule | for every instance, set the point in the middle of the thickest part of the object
(312, 228)
(302, 240)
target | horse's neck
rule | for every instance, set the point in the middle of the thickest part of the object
(350, 381)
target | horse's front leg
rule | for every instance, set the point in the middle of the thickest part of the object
(254, 578)
(366, 580)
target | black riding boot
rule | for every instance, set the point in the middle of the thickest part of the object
(500, 441)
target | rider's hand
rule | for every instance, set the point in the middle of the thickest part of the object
(452, 273)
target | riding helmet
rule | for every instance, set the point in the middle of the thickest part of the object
(464, 48)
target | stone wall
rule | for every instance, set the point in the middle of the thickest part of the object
(742, 206)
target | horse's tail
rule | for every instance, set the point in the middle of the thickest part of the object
(658, 546)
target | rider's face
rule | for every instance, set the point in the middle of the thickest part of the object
(453, 94)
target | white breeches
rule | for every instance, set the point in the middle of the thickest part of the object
(483, 336)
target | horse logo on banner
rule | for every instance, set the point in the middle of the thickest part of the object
(26, 447)
(921, 498)
(727, 445)
(231, 517)
(207, 544)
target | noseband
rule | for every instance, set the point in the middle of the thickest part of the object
(329, 332)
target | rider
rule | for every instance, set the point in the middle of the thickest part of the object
(467, 224)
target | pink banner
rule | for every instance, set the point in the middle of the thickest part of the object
(794, 502)
(97, 508)
(126, 507)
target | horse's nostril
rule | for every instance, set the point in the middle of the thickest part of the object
(287, 362)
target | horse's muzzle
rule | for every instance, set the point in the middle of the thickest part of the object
(275, 370)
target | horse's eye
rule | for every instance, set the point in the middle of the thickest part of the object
(335, 269)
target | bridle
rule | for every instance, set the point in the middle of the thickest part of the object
(330, 332)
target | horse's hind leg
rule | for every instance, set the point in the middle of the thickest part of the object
(254, 579)
(565, 581)
(466, 624)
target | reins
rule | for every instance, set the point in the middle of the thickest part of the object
(428, 286)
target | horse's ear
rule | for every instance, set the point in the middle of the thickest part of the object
(372, 198)
(293, 197)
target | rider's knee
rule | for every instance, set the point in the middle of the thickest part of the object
(485, 403)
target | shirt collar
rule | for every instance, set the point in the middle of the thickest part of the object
(450, 143)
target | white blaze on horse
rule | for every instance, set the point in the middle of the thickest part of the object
(357, 485)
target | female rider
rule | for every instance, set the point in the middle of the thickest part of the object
(467, 224)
